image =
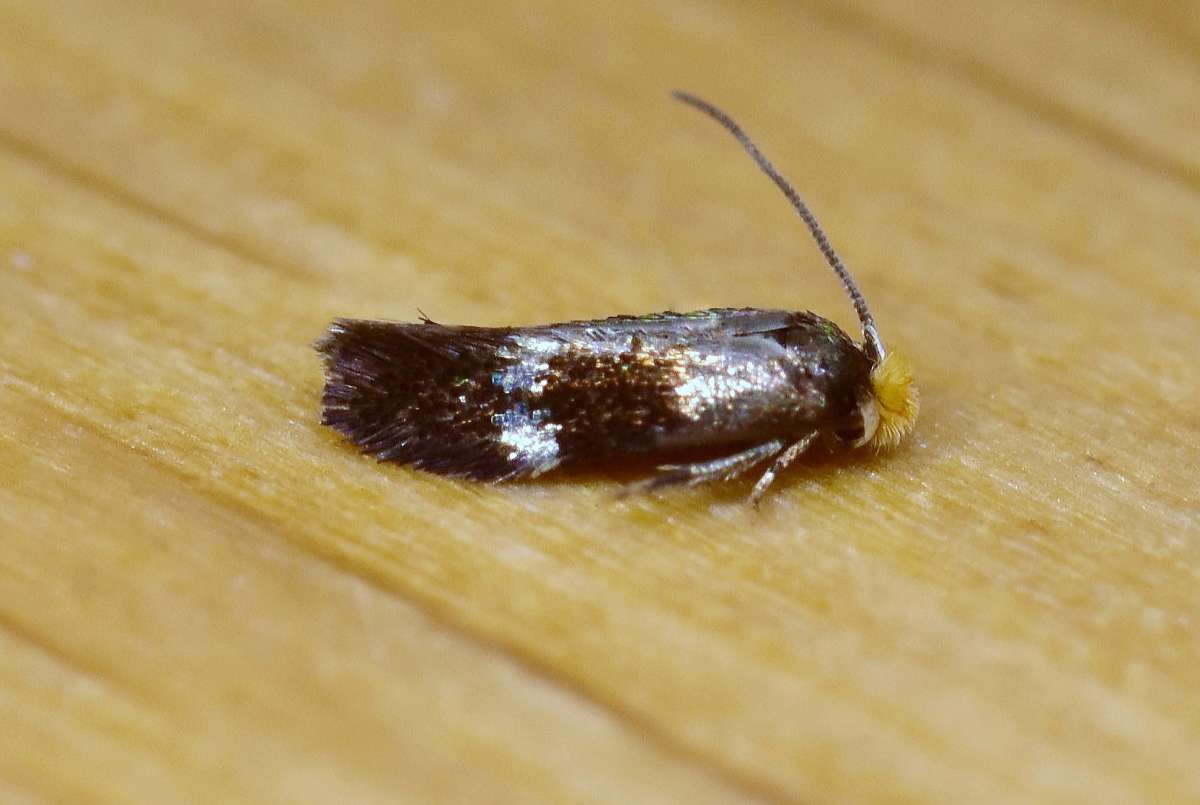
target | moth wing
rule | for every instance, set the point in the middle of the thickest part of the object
(422, 394)
(618, 334)
(670, 325)
(476, 401)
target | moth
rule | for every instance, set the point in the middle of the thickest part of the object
(750, 387)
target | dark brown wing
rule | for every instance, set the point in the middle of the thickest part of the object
(498, 403)
(420, 394)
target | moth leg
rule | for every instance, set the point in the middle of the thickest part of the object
(778, 465)
(725, 467)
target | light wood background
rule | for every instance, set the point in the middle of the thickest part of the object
(207, 597)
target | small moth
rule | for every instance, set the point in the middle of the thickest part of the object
(746, 385)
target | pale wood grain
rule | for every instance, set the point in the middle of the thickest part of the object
(206, 596)
(1122, 76)
(175, 645)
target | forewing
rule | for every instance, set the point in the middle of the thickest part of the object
(423, 394)
(616, 332)
(498, 403)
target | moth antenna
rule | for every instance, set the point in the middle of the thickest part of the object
(870, 333)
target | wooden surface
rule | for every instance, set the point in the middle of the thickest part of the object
(205, 596)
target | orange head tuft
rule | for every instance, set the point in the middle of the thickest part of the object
(896, 401)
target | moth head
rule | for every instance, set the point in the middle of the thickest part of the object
(889, 407)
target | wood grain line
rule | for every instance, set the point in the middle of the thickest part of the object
(1159, 24)
(1011, 92)
(65, 659)
(94, 182)
(718, 767)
